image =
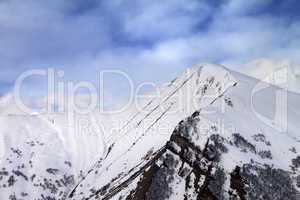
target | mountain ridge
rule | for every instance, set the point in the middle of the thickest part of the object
(200, 139)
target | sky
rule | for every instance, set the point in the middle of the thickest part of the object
(150, 40)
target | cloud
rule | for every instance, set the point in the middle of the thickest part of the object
(144, 37)
(164, 20)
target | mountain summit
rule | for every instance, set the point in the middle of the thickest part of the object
(222, 146)
(211, 134)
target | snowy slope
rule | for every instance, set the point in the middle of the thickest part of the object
(224, 106)
(43, 156)
(282, 73)
(211, 134)
(34, 160)
(155, 123)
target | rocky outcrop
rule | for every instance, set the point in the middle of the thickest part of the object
(184, 171)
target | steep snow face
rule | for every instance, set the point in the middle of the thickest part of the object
(147, 130)
(211, 133)
(282, 73)
(244, 134)
(264, 115)
(226, 151)
(42, 156)
(250, 143)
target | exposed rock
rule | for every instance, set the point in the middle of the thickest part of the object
(11, 181)
(296, 162)
(237, 183)
(240, 142)
(204, 178)
(265, 154)
(228, 101)
(268, 183)
(261, 138)
(293, 149)
(52, 171)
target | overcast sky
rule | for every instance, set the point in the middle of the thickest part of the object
(148, 39)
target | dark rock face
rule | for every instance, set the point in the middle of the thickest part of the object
(199, 180)
(204, 177)
(298, 181)
(160, 188)
(217, 182)
(265, 154)
(240, 142)
(296, 162)
(183, 162)
(237, 184)
(268, 183)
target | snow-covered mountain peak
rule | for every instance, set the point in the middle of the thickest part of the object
(220, 146)
(211, 133)
(195, 89)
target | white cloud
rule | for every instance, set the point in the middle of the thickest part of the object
(140, 37)
(162, 19)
